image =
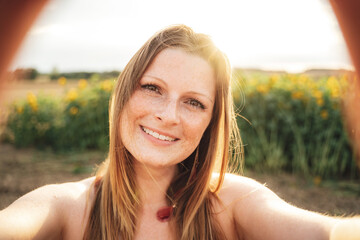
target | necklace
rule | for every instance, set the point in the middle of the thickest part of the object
(164, 213)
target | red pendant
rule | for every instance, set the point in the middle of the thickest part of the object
(164, 214)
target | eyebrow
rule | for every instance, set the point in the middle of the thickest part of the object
(191, 92)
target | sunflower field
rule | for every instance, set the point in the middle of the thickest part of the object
(294, 123)
(78, 120)
(287, 122)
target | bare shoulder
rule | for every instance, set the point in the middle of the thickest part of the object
(54, 194)
(43, 212)
(252, 205)
(243, 196)
(238, 188)
(75, 205)
(73, 190)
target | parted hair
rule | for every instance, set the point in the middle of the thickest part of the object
(113, 214)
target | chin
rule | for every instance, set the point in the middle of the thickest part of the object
(156, 162)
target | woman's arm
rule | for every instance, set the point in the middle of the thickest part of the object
(347, 14)
(36, 215)
(348, 229)
(16, 18)
(261, 214)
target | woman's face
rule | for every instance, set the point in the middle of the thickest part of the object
(165, 118)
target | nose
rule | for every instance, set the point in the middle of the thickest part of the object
(168, 112)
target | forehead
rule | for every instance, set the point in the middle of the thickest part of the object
(183, 70)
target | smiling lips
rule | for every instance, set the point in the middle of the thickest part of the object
(158, 135)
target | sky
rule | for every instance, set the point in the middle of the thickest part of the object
(93, 35)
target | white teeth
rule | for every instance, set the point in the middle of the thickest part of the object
(157, 135)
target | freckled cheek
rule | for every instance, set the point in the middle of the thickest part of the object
(139, 104)
(195, 127)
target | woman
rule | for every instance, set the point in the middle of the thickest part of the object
(171, 121)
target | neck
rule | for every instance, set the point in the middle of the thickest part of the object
(153, 183)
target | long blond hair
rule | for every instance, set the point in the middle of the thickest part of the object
(114, 211)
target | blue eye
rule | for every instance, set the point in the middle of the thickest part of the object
(196, 104)
(151, 88)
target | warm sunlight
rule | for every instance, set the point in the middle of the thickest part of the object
(279, 34)
(124, 120)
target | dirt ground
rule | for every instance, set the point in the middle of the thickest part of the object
(22, 170)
